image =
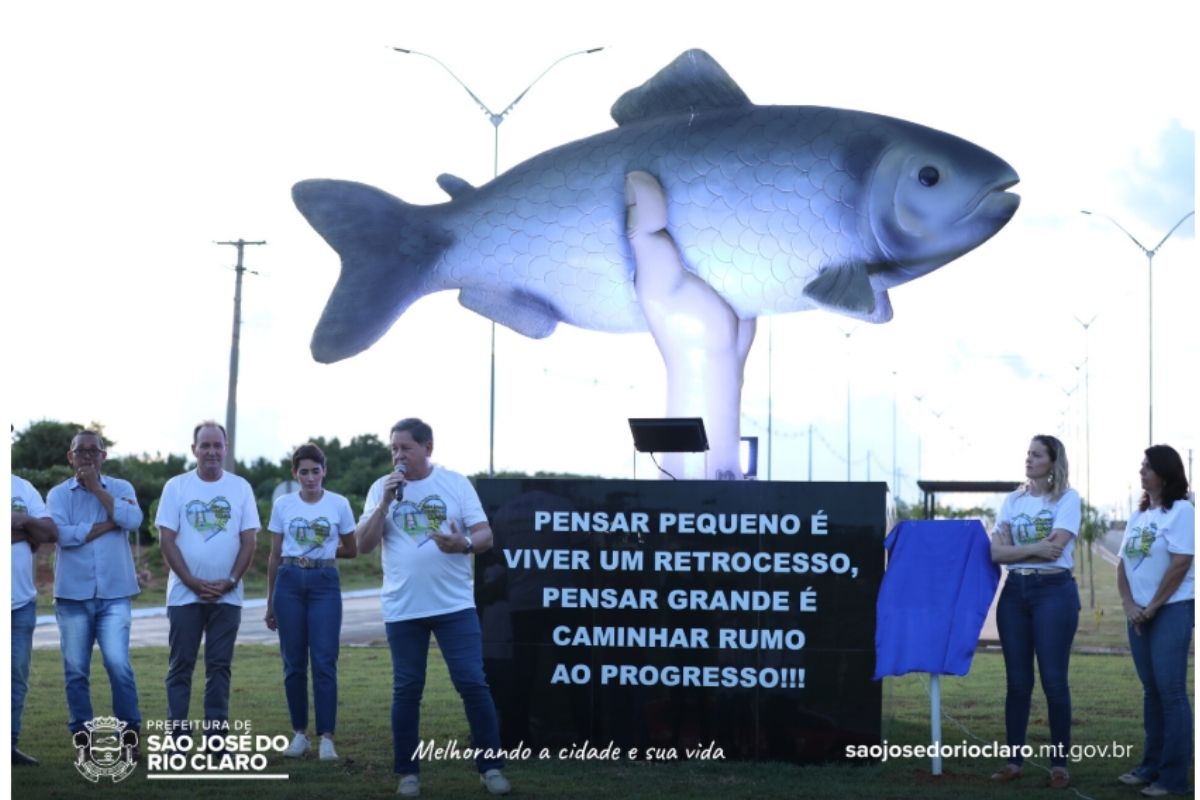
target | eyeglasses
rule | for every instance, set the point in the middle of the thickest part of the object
(87, 451)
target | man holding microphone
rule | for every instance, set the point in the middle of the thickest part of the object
(430, 521)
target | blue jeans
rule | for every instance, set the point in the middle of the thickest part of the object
(1160, 655)
(308, 614)
(24, 620)
(1037, 616)
(218, 624)
(82, 624)
(460, 641)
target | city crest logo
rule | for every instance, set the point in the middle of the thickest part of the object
(104, 749)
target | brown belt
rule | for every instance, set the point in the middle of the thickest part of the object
(1036, 571)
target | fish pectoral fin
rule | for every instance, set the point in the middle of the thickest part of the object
(525, 313)
(883, 309)
(845, 289)
(454, 186)
(692, 82)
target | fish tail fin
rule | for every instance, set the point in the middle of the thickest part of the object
(388, 248)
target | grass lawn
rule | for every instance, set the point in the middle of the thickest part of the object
(1107, 700)
(1107, 714)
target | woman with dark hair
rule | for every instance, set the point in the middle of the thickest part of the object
(1038, 610)
(1156, 578)
(309, 530)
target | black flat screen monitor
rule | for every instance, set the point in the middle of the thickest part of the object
(669, 435)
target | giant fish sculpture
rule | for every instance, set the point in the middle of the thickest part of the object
(772, 208)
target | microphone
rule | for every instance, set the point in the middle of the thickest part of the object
(401, 469)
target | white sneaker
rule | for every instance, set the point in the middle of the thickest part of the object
(494, 781)
(298, 747)
(327, 751)
(410, 786)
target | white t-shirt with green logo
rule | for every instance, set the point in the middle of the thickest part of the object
(419, 580)
(1150, 539)
(1033, 519)
(209, 517)
(311, 530)
(25, 500)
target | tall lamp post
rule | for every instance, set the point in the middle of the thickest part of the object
(496, 119)
(895, 461)
(848, 334)
(920, 408)
(1150, 253)
(1089, 512)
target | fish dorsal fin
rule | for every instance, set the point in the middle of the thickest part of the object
(454, 186)
(845, 289)
(692, 82)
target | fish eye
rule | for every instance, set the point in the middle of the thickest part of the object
(928, 176)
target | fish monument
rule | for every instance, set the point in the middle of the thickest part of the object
(770, 209)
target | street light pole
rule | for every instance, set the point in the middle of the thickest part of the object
(848, 334)
(770, 395)
(920, 409)
(1089, 507)
(895, 460)
(1150, 253)
(496, 119)
(1087, 401)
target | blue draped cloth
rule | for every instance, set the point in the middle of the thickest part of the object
(934, 598)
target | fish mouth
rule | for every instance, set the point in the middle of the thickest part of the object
(994, 201)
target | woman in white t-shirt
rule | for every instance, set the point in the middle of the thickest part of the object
(309, 530)
(1156, 578)
(1038, 610)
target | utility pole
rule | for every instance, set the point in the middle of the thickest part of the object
(231, 403)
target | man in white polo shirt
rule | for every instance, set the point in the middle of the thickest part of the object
(207, 520)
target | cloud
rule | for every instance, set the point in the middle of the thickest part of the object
(1160, 186)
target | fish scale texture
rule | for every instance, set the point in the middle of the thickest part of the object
(761, 200)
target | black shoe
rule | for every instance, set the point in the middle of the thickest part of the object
(19, 759)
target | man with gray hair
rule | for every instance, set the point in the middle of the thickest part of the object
(207, 520)
(95, 580)
(430, 522)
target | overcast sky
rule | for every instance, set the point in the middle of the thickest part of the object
(141, 133)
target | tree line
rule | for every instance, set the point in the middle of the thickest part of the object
(39, 454)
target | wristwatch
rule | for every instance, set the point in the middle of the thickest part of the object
(470, 548)
(232, 580)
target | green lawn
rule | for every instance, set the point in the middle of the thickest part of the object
(1107, 713)
(1107, 699)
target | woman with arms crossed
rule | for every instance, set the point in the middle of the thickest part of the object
(1038, 610)
(309, 530)
(1156, 579)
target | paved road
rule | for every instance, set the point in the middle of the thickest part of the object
(362, 620)
(362, 623)
(1105, 550)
